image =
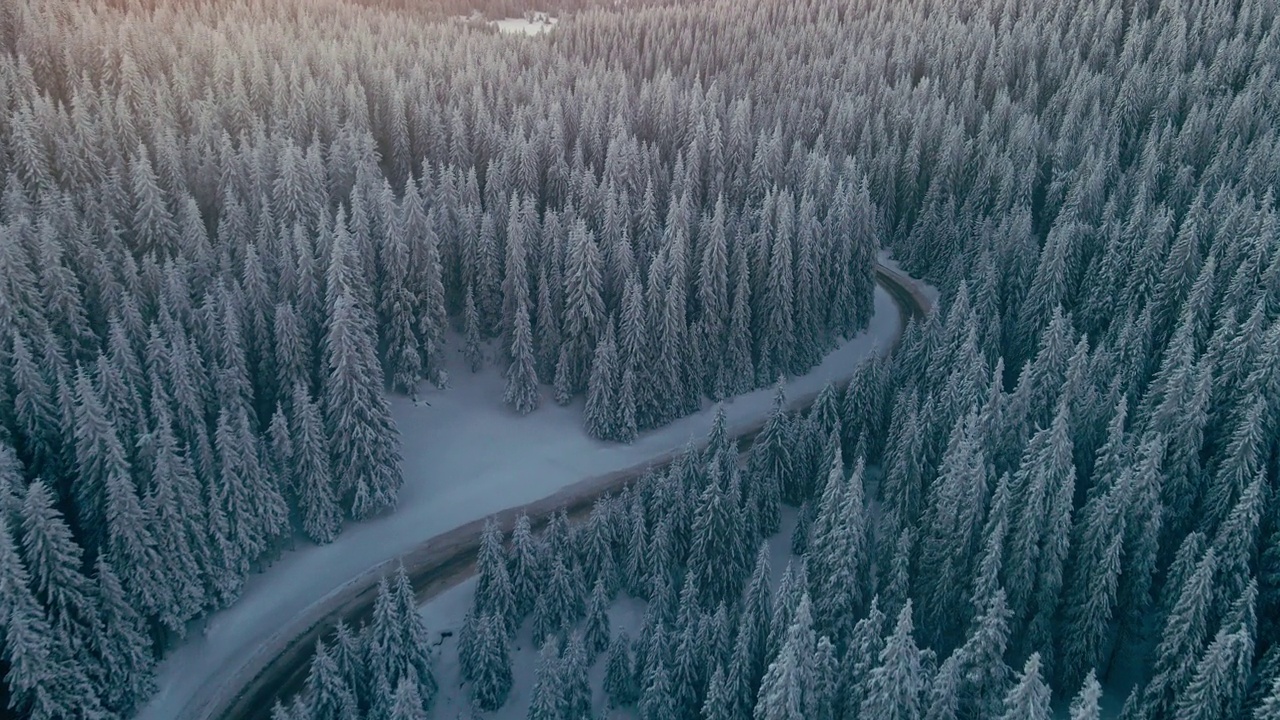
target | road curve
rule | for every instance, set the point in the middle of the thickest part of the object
(449, 558)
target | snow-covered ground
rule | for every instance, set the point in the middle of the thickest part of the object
(444, 614)
(539, 24)
(466, 456)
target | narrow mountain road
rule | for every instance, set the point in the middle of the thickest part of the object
(449, 558)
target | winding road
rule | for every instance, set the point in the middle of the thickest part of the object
(449, 558)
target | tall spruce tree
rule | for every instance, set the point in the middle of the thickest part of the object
(1029, 698)
(312, 475)
(895, 689)
(619, 674)
(600, 414)
(522, 378)
(584, 308)
(491, 676)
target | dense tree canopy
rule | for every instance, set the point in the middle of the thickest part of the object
(227, 229)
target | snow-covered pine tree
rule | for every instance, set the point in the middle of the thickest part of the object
(1143, 529)
(942, 700)
(786, 684)
(778, 336)
(1090, 597)
(1269, 709)
(559, 603)
(825, 682)
(1086, 705)
(800, 535)
(1029, 698)
(363, 439)
(407, 704)
(584, 309)
(174, 502)
(1222, 674)
(839, 552)
(385, 654)
(348, 649)
(984, 678)
(491, 669)
(252, 502)
(44, 679)
(488, 280)
(399, 311)
(548, 686)
(719, 702)
(600, 414)
(497, 598)
(295, 710)
(690, 656)
(903, 486)
(53, 561)
(657, 701)
(515, 281)
(471, 333)
(671, 332)
(1182, 639)
(524, 567)
(895, 688)
(522, 378)
(468, 632)
(279, 450)
(713, 303)
(596, 632)
(952, 525)
(575, 687)
(599, 542)
(742, 678)
(739, 366)
(716, 531)
(861, 656)
(619, 674)
(152, 223)
(99, 457)
(312, 475)
(414, 637)
(38, 425)
(547, 328)
(769, 464)
(810, 321)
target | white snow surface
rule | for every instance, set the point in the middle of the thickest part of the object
(523, 26)
(465, 457)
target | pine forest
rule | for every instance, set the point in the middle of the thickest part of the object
(241, 240)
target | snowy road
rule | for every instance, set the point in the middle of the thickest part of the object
(466, 456)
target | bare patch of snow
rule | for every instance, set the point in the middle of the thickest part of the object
(534, 24)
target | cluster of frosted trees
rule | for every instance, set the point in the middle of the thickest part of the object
(226, 228)
(383, 670)
(218, 251)
(1075, 459)
(975, 584)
